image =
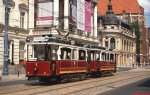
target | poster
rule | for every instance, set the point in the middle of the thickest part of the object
(81, 14)
(87, 16)
(45, 13)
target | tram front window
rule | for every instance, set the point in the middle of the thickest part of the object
(39, 52)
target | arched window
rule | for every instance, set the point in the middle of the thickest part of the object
(112, 43)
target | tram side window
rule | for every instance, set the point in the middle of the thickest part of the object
(111, 57)
(82, 55)
(65, 53)
(92, 56)
(97, 56)
(103, 57)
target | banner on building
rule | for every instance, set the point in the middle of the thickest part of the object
(44, 13)
(81, 14)
(87, 16)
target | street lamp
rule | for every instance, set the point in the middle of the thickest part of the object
(5, 67)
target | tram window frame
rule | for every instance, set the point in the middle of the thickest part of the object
(74, 54)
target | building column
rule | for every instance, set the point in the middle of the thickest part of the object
(56, 11)
(95, 22)
(119, 60)
(123, 45)
(16, 51)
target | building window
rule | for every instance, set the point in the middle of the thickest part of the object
(112, 43)
(22, 14)
(21, 50)
(106, 44)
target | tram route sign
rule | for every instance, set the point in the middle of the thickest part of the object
(37, 39)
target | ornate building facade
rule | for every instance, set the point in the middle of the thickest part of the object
(130, 15)
(118, 36)
(18, 28)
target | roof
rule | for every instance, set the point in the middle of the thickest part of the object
(120, 6)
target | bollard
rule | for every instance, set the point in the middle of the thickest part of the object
(18, 73)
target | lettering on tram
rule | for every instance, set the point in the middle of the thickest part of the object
(57, 59)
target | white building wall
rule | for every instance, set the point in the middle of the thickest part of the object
(14, 16)
(1, 11)
(31, 14)
(1, 50)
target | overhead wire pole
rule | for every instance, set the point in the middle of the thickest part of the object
(5, 66)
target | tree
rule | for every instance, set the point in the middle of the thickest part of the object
(136, 27)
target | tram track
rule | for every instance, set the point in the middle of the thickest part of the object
(40, 89)
(84, 86)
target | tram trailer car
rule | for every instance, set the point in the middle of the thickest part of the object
(63, 62)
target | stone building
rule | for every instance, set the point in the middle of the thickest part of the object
(18, 28)
(70, 19)
(118, 36)
(129, 15)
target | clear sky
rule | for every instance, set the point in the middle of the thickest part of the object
(146, 5)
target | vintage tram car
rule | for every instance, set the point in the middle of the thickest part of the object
(60, 59)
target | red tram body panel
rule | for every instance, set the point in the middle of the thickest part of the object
(102, 66)
(38, 68)
(71, 67)
(107, 66)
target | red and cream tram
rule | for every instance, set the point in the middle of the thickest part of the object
(65, 59)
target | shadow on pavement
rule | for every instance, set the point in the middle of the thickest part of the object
(145, 83)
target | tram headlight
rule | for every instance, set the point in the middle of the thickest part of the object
(35, 69)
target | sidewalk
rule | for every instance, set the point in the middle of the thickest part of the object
(141, 69)
(14, 77)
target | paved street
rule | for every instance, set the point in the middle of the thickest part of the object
(87, 87)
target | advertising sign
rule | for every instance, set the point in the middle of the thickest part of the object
(87, 16)
(45, 14)
(80, 14)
